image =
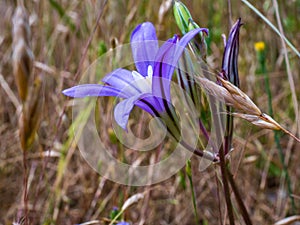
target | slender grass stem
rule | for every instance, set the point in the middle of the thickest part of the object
(272, 26)
(25, 184)
(189, 174)
(226, 186)
(285, 174)
(285, 171)
(238, 198)
(218, 195)
(295, 102)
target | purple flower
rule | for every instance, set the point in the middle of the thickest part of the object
(149, 86)
(123, 223)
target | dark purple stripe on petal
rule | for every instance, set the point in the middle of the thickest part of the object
(230, 56)
(87, 90)
(147, 102)
(122, 110)
(150, 104)
(230, 72)
(166, 61)
(163, 67)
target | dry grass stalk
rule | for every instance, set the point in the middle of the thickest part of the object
(30, 119)
(233, 96)
(22, 57)
(289, 220)
(22, 60)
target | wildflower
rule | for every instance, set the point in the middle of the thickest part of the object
(149, 86)
(261, 55)
(123, 223)
(259, 46)
(114, 213)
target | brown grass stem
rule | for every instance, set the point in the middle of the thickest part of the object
(25, 185)
(225, 176)
(89, 41)
(288, 68)
(238, 198)
(9, 92)
(218, 194)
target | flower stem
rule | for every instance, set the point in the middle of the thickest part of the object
(207, 155)
(226, 186)
(239, 199)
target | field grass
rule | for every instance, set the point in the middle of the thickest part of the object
(66, 37)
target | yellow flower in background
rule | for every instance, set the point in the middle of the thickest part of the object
(259, 46)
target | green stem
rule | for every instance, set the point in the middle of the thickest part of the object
(285, 171)
(189, 174)
(276, 133)
(267, 87)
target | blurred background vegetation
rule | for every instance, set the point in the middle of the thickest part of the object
(65, 40)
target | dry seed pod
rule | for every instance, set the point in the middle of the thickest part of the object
(233, 96)
(216, 90)
(242, 100)
(22, 57)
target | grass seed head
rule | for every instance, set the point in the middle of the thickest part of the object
(22, 57)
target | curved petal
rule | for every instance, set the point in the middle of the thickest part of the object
(166, 61)
(147, 102)
(144, 46)
(123, 80)
(163, 67)
(86, 90)
(122, 111)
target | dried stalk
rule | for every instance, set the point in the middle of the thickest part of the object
(30, 95)
(22, 57)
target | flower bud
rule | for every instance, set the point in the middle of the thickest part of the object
(182, 16)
